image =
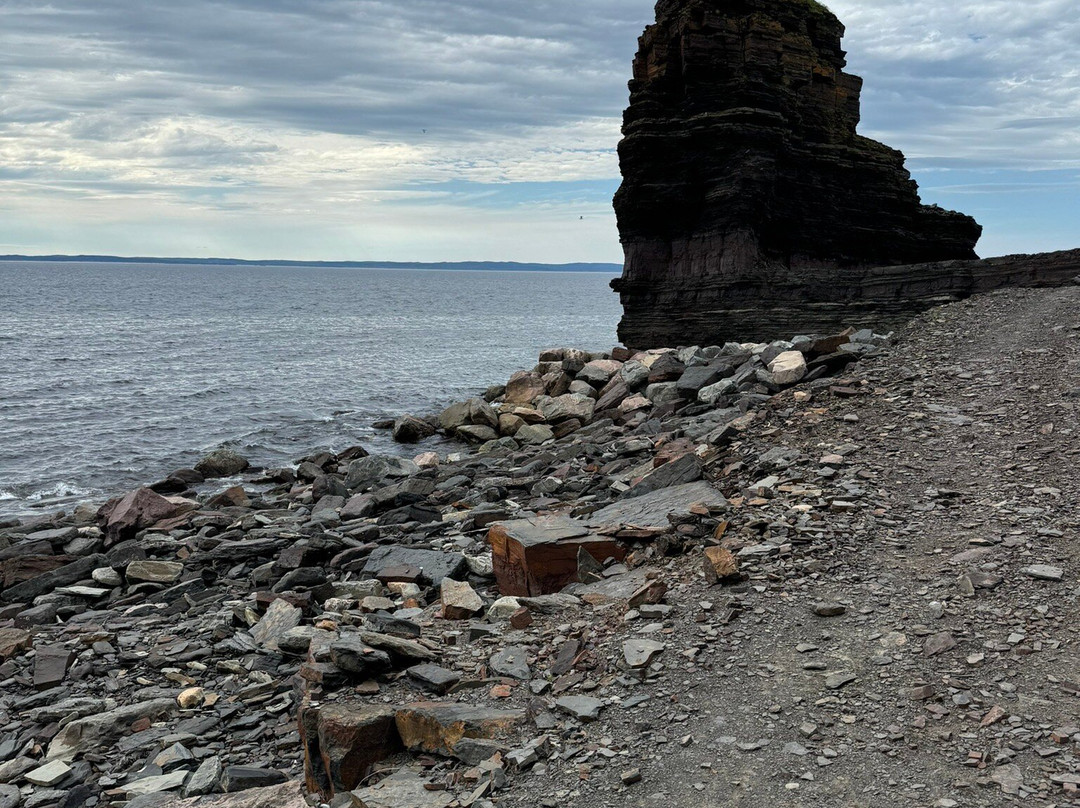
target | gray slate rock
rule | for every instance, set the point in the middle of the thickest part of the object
(512, 662)
(583, 708)
(241, 778)
(686, 469)
(436, 565)
(652, 509)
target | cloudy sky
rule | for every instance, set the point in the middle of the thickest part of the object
(464, 129)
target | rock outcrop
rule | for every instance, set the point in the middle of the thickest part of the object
(749, 203)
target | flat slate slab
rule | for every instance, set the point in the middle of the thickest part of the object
(539, 555)
(651, 510)
(434, 564)
(403, 789)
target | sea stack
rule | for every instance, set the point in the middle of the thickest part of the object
(750, 205)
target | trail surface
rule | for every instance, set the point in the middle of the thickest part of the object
(951, 678)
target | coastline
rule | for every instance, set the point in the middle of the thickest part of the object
(798, 568)
(383, 544)
(273, 361)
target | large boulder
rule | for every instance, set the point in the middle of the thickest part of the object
(139, 509)
(410, 429)
(563, 408)
(221, 463)
(96, 732)
(524, 387)
(788, 367)
(366, 472)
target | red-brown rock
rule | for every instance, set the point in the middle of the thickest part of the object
(124, 517)
(437, 728)
(343, 742)
(539, 555)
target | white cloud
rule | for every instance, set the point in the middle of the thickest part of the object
(240, 126)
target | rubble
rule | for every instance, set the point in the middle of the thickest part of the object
(564, 618)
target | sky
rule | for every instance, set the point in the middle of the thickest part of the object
(445, 130)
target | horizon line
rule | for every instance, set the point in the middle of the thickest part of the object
(581, 266)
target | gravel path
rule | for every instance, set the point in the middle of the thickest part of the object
(952, 677)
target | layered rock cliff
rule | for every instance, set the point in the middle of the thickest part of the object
(747, 191)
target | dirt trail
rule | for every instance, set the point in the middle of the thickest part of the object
(960, 461)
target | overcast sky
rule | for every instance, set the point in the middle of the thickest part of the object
(465, 129)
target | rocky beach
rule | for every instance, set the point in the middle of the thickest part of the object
(808, 539)
(835, 568)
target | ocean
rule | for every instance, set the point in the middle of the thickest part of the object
(112, 375)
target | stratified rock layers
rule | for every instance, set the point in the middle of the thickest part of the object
(749, 203)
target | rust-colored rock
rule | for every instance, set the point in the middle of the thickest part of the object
(720, 565)
(123, 518)
(13, 641)
(437, 728)
(343, 742)
(524, 387)
(17, 570)
(539, 555)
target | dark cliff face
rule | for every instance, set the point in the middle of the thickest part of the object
(746, 186)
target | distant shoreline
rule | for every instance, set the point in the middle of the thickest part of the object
(490, 266)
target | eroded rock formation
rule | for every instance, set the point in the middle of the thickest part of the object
(750, 205)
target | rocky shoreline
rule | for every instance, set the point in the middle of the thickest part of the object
(508, 624)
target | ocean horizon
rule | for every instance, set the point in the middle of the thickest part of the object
(116, 374)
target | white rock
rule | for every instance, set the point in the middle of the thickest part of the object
(50, 774)
(502, 609)
(788, 368)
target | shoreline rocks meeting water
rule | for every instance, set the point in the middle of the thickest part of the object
(527, 621)
(173, 644)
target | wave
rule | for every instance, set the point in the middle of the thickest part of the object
(6, 495)
(60, 491)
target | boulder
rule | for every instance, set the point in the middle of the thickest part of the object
(720, 565)
(364, 473)
(685, 469)
(475, 433)
(509, 424)
(409, 429)
(788, 368)
(651, 510)
(539, 555)
(437, 728)
(280, 617)
(123, 518)
(51, 663)
(221, 463)
(48, 581)
(534, 435)
(432, 565)
(599, 371)
(524, 388)
(565, 407)
(454, 416)
(13, 641)
(343, 743)
(158, 572)
(482, 414)
(351, 654)
(97, 731)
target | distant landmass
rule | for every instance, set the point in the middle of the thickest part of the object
(499, 266)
